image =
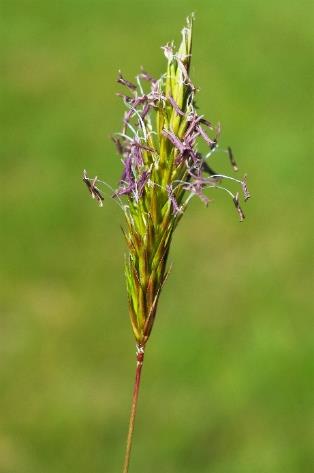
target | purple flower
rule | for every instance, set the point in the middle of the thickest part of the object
(176, 208)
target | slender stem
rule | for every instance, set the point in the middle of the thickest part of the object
(139, 364)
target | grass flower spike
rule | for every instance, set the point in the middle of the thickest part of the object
(162, 170)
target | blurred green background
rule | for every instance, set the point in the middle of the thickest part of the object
(227, 379)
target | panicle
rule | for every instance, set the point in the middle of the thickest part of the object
(163, 169)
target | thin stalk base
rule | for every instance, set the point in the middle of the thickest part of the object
(139, 364)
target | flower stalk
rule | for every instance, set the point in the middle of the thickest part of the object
(163, 169)
(139, 364)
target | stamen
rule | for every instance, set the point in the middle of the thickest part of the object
(237, 206)
(168, 51)
(146, 76)
(174, 140)
(176, 208)
(127, 83)
(208, 140)
(231, 158)
(245, 190)
(175, 106)
(93, 190)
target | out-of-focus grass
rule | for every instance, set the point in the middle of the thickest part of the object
(226, 386)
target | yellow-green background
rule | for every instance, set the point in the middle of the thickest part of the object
(227, 380)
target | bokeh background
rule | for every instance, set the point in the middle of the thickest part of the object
(227, 379)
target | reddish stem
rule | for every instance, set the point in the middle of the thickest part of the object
(139, 364)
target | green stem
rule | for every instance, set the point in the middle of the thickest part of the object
(139, 364)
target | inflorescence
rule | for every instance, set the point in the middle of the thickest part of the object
(163, 169)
